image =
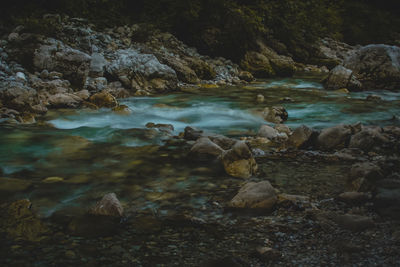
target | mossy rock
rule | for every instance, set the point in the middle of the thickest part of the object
(257, 64)
(19, 222)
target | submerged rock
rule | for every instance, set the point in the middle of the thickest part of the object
(255, 196)
(363, 176)
(239, 161)
(18, 221)
(300, 137)
(109, 205)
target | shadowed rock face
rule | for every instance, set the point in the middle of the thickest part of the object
(376, 66)
(255, 195)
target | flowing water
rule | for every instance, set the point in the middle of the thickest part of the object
(71, 161)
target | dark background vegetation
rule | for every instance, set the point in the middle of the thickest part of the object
(229, 28)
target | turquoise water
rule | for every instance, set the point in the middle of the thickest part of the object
(95, 152)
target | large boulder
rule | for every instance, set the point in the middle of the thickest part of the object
(368, 139)
(17, 96)
(57, 56)
(64, 100)
(334, 137)
(341, 77)
(239, 161)
(104, 99)
(257, 64)
(255, 196)
(363, 176)
(376, 66)
(143, 68)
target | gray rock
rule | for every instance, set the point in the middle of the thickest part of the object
(363, 176)
(255, 196)
(368, 139)
(376, 66)
(268, 132)
(192, 133)
(205, 149)
(335, 137)
(300, 137)
(97, 64)
(56, 56)
(340, 77)
(17, 96)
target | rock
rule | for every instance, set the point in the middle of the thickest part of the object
(353, 197)
(19, 222)
(352, 222)
(109, 205)
(257, 64)
(64, 100)
(183, 71)
(203, 70)
(368, 139)
(238, 161)
(363, 176)
(267, 253)
(374, 98)
(387, 198)
(56, 56)
(252, 195)
(335, 137)
(300, 137)
(83, 94)
(104, 99)
(260, 99)
(340, 77)
(96, 84)
(205, 149)
(268, 132)
(221, 140)
(20, 77)
(19, 97)
(122, 110)
(276, 114)
(246, 76)
(191, 133)
(376, 66)
(132, 63)
(97, 64)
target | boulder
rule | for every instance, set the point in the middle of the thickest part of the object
(353, 222)
(376, 66)
(104, 99)
(239, 161)
(109, 205)
(97, 64)
(368, 139)
(205, 149)
(252, 195)
(300, 137)
(363, 176)
(387, 198)
(141, 67)
(64, 100)
(276, 114)
(257, 64)
(19, 97)
(335, 137)
(341, 77)
(353, 197)
(268, 132)
(246, 76)
(56, 56)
